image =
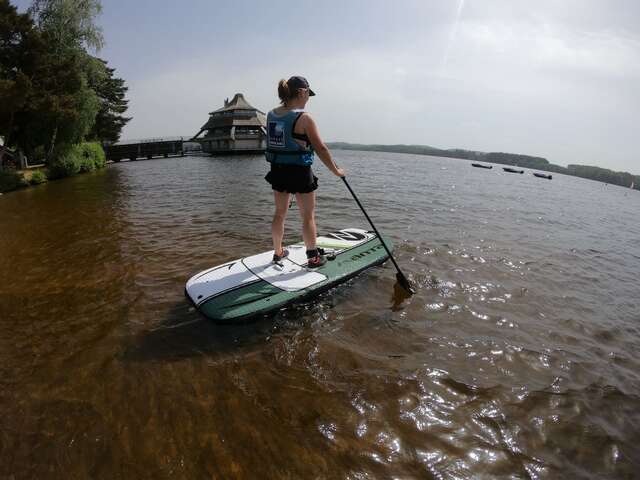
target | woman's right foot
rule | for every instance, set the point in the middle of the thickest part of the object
(315, 259)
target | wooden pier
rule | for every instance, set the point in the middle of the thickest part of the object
(154, 147)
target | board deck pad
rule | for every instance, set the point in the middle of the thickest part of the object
(219, 279)
(254, 285)
(289, 274)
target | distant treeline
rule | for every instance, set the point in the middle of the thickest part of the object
(624, 179)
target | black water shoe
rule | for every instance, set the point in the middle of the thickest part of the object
(316, 258)
(278, 258)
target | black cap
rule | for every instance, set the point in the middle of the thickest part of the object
(299, 82)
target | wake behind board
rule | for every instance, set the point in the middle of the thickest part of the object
(254, 285)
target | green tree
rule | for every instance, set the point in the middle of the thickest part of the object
(61, 108)
(51, 89)
(111, 92)
(66, 107)
(70, 23)
(16, 34)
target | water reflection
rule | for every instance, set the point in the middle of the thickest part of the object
(515, 359)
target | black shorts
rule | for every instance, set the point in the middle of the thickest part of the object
(292, 178)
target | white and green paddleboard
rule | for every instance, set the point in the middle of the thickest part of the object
(255, 285)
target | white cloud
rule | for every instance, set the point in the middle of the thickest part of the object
(546, 46)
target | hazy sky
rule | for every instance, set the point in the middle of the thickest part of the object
(559, 79)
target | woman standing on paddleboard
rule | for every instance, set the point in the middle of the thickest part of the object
(292, 140)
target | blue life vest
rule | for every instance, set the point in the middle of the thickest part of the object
(281, 140)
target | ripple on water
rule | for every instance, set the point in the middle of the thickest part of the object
(516, 358)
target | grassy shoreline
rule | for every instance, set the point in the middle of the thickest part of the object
(80, 158)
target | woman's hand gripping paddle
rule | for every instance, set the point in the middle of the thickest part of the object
(402, 280)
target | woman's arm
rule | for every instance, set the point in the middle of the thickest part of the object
(311, 130)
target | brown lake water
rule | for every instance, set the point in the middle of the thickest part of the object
(517, 358)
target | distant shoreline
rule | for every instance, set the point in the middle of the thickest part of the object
(623, 179)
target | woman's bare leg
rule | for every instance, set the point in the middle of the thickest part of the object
(307, 207)
(277, 226)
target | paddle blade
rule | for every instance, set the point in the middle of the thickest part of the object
(400, 294)
(404, 283)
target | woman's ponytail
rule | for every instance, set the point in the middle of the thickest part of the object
(284, 92)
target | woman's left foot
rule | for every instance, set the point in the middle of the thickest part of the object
(278, 258)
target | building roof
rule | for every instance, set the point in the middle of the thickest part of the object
(238, 102)
(237, 112)
(214, 122)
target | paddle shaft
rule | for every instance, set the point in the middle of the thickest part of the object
(344, 179)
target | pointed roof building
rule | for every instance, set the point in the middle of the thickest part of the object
(237, 127)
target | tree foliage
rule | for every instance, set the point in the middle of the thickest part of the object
(53, 94)
(111, 92)
(16, 35)
(61, 109)
(70, 23)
